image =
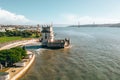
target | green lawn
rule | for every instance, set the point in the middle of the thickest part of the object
(8, 39)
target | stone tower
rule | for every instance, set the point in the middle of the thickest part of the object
(47, 34)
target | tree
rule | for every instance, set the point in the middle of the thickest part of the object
(2, 34)
(12, 55)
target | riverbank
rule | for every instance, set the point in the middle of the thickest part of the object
(17, 72)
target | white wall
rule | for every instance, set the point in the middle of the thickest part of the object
(5, 77)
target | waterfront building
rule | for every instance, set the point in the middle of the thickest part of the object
(49, 41)
(47, 35)
(31, 28)
(20, 64)
(4, 76)
(2, 29)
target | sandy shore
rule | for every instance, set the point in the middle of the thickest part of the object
(17, 72)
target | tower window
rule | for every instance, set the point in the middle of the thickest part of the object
(45, 36)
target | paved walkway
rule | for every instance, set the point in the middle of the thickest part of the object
(18, 43)
(19, 71)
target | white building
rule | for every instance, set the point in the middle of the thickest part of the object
(2, 29)
(48, 40)
(4, 76)
(20, 64)
(47, 35)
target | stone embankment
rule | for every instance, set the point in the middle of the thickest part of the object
(15, 73)
(20, 71)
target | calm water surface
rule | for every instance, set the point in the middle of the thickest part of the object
(95, 55)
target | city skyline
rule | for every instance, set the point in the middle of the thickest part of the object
(59, 12)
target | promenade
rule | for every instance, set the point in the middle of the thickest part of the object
(17, 72)
(14, 44)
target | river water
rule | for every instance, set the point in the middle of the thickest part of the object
(94, 55)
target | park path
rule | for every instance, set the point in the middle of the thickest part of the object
(14, 44)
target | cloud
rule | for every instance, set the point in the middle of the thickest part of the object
(7, 17)
(74, 19)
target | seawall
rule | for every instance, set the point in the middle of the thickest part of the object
(19, 74)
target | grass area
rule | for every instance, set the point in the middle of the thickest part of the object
(9, 39)
(33, 35)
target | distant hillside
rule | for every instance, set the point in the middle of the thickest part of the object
(97, 25)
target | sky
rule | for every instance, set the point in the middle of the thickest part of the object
(59, 11)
